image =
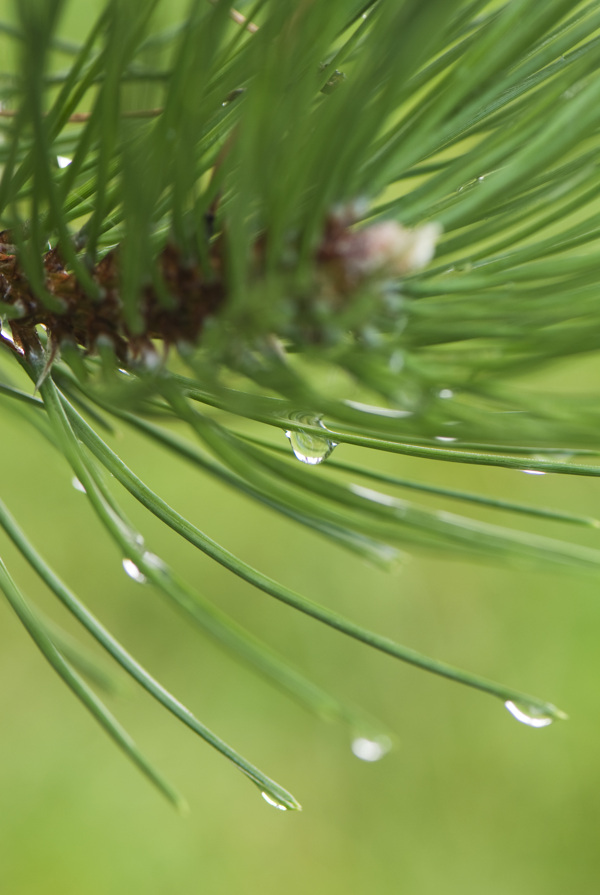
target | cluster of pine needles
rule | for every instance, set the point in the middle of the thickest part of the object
(203, 220)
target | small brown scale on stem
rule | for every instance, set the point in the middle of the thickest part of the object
(88, 322)
(347, 258)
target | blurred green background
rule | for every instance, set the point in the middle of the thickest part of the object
(469, 803)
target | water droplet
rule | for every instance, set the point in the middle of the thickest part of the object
(528, 714)
(270, 800)
(309, 448)
(533, 472)
(379, 411)
(132, 570)
(77, 484)
(445, 438)
(155, 561)
(376, 496)
(337, 78)
(562, 457)
(371, 750)
(233, 95)
(446, 393)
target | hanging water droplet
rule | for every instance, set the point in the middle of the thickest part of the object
(132, 570)
(309, 448)
(270, 800)
(371, 750)
(155, 561)
(77, 484)
(528, 714)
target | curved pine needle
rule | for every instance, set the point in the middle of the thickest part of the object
(284, 594)
(214, 622)
(88, 698)
(155, 572)
(495, 503)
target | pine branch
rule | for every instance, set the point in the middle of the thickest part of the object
(208, 215)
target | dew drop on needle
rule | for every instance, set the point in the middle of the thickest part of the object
(132, 570)
(371, 750)
(308, 447)
(273, 802)
(528, 715)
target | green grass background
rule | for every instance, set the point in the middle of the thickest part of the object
(469, 803)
